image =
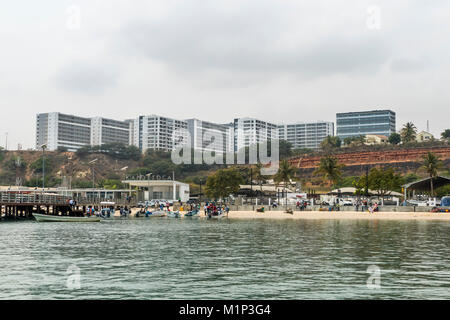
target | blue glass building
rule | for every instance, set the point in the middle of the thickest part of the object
(350, 124)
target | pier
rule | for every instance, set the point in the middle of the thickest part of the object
(21, 204)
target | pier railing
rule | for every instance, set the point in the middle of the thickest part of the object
(32, 198)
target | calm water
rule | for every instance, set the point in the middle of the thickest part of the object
(227, 259)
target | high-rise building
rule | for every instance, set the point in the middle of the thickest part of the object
(208, 136)
(157, 133)
(306, 135)
(105, 131)
(350, 124)
(248, 131)
(72, 132)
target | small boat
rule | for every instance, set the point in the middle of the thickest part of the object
(193, 213)
(49, 218)
(217, 216)
(158, 213)
(174, 214)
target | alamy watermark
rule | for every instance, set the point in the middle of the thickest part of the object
(73, 281)
(373, 21)
(374, 280)
(73, 21)
(217, 149)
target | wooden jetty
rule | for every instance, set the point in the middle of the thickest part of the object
(21, 204)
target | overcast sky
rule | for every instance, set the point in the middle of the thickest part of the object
(278, 60)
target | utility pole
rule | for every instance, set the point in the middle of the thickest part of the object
(6, 143)
(200, 195)
(43, 166)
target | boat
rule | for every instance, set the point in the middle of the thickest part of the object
(217, 216)
(193, 213)
(174, 214)
(148, 214)
(49, 218)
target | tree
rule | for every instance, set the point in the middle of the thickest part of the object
(331, 142)
(330, 169)
(431, 164)
(446, 134)
(409, 132)
(258, 176)
(285, 148)
(285, 173)
(355, 141)
(384, 181)
(395, 138)
(223, 183)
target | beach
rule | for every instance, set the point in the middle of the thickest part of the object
(343, 215)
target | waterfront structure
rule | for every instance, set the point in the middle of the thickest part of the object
(350, 124)
(56, 130)
(248, 131)
(157, 133)
(204, 134)
(306, 135)
(167, 189)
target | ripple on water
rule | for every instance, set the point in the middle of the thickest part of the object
(197, 259)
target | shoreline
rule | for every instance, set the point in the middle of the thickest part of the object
(333, 215)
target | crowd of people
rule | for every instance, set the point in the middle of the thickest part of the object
(213, 209)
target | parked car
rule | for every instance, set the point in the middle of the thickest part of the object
(445, 201)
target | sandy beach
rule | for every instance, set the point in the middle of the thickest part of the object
(343, 215)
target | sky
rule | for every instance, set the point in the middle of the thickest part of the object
(282, 61)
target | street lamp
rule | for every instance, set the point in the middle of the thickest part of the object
(43, 147)
(93, 174)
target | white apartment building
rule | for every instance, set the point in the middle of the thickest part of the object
(104, 131)
(306, 135)
(72, 132)
(209, 136)
(157, 133)
(248, 131)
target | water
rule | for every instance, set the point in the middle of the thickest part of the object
(162, 258)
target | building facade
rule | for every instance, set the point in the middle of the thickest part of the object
(349, 124)
(72, 132)
(104, 131)
(306, 135)
(208, 136)
(159, 133)
(248, 131)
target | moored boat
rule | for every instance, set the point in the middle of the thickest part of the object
(217, 216)
(174, 214)
(49, 218)
(193, 213)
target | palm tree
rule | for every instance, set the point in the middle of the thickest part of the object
(431, 164)
(284, 174)
(258, 176)
(408, 132)
(330, 169)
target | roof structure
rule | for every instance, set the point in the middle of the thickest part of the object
(424, 184)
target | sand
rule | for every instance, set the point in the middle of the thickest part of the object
(343, 215)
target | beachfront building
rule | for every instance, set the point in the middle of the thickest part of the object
(149, 189)
(158, 133)
(350, 124)
(248, 131)
(306, 135)
(57, 130)
(204, 136)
